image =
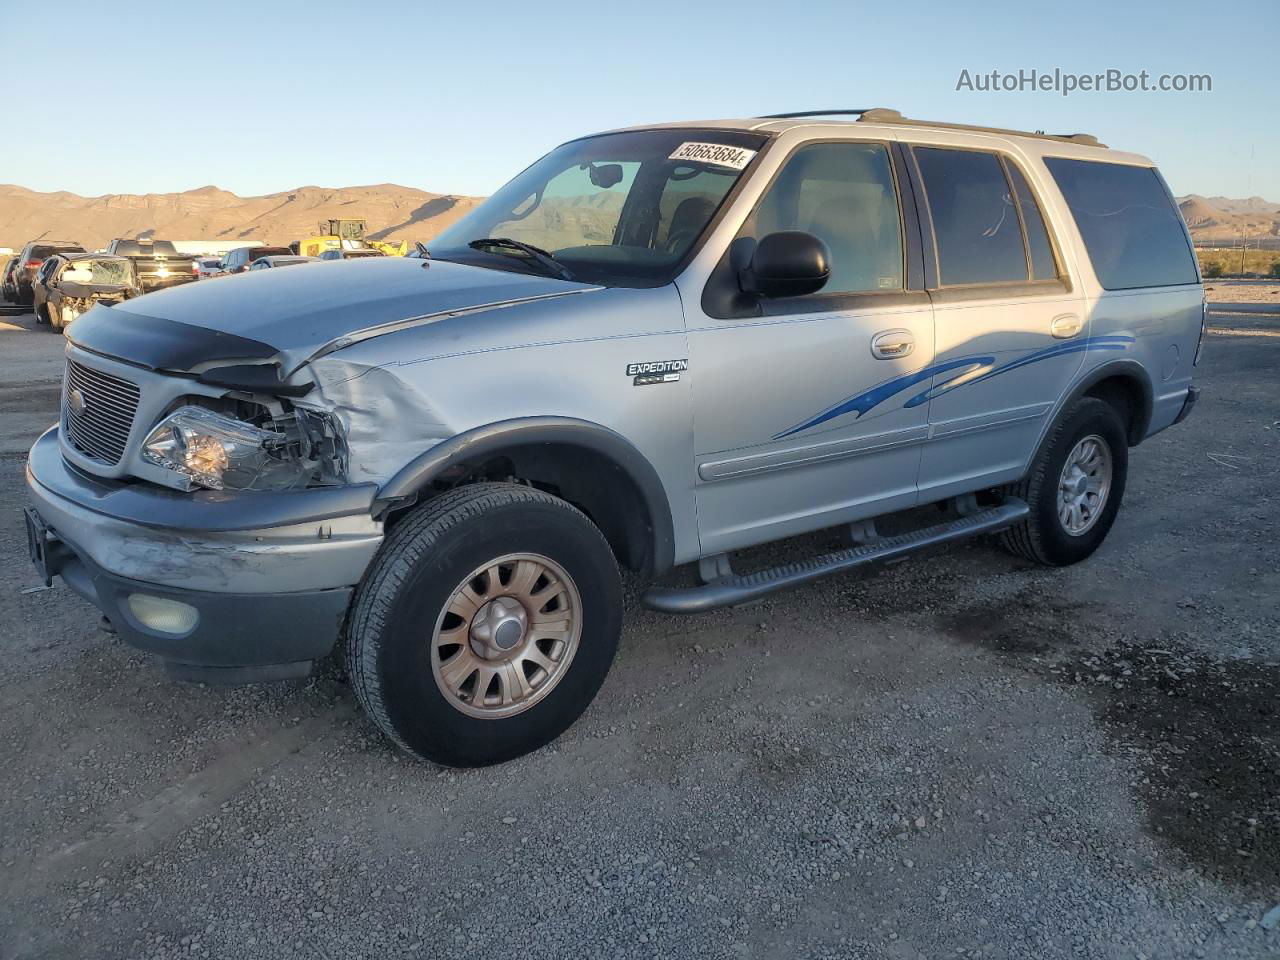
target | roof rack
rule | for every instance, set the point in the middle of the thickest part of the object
(888, 116)
(817, 113)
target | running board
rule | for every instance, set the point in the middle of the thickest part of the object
(729, 591)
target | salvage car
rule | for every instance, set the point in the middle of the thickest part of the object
(267, 263)
(652, 348)
(351, 254)
(208, 267)
(8, 280)
(157, 263)
(29, 261)
(69, 284)
(241, 258)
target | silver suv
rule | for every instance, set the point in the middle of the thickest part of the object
(653, 347)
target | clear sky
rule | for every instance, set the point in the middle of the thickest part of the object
(457, 97)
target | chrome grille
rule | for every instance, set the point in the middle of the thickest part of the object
(100, 418)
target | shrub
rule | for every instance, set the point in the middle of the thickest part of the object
(1213, 269)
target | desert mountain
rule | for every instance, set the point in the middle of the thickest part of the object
(1222, 218)
(393, 212)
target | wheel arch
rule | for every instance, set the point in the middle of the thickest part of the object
(591, 466)
(1126, 385)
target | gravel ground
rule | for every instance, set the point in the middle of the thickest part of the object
(1243, 291)
(960, 755)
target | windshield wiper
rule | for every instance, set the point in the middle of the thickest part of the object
(536, 253)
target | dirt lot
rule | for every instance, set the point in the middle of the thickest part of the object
(961, 755)
(1238, 292)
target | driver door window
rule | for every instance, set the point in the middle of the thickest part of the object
(843, 193)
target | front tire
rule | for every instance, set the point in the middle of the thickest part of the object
(485, 625)
(1074, 486)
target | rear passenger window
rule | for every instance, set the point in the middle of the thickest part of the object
(975, 223)
(843, 193)
(1133, 232)
(1042, 264)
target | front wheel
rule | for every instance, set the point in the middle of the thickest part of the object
(1074, 486)
(485, 625)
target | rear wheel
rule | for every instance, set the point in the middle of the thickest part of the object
(485, 625)
(1074, 486)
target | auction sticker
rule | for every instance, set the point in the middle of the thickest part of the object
(735, 158)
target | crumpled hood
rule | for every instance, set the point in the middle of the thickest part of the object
(289, 313)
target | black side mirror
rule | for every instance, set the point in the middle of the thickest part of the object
(605, 175)
(789, 263)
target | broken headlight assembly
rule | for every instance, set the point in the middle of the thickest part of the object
(204, 448)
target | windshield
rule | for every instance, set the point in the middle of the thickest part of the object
(613, 209)
(118, 272)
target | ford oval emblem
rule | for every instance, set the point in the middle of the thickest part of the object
(75, 402)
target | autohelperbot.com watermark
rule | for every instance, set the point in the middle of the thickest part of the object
(1066, 82)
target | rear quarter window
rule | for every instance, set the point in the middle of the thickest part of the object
(1131, 229)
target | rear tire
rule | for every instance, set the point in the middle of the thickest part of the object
(541, 612)
(1074, 487)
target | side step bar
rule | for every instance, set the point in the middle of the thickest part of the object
(728, 591)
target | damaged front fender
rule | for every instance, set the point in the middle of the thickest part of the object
(386, 422)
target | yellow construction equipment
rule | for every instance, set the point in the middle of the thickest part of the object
(346, 235)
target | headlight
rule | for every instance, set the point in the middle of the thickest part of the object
(210, 450)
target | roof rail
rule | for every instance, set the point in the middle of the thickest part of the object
(815, 113)
(888, 116)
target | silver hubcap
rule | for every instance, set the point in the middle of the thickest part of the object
(1084, 485)
(506, 636)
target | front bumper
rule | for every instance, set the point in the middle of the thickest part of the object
(270, 576)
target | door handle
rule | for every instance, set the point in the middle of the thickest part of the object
(892, 344)
(1066, 326)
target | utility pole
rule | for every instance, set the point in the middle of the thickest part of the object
(1244, 245)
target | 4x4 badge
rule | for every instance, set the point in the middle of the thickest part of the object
(656, 371)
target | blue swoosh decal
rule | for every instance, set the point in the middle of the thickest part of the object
(970, 370)
(864, 402)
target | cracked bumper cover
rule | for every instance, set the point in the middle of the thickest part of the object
(270, 574)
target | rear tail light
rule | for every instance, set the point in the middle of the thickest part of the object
(32, 264)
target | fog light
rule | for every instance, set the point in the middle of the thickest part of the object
(163, 616)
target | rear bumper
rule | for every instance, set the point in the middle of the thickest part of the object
(1193, 394)
(268, 599)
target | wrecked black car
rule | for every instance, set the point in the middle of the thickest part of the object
(68, 284)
